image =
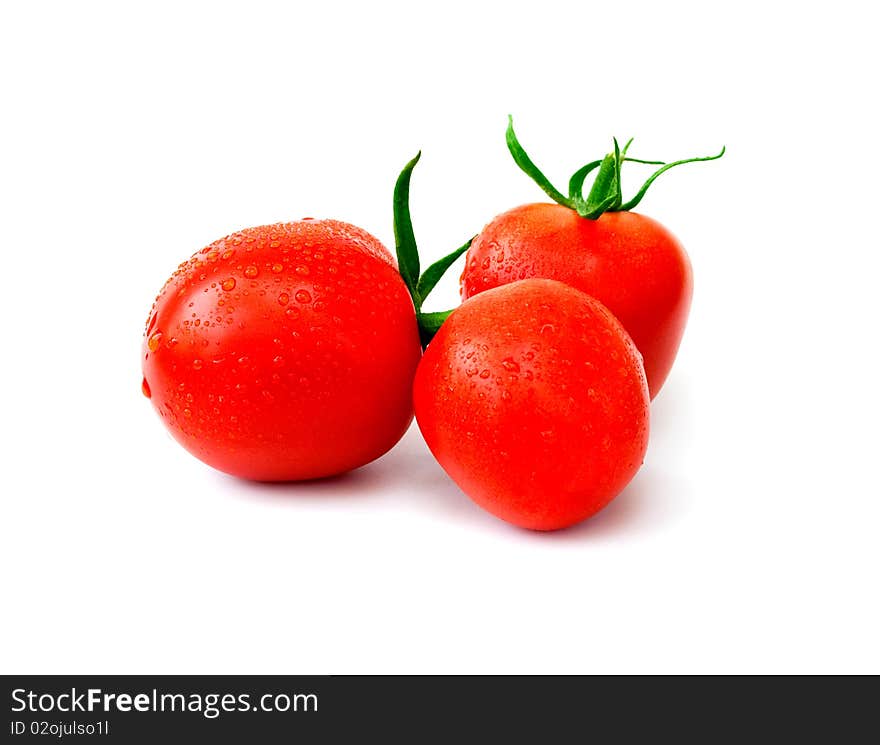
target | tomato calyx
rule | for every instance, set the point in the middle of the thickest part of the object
(418, 284)
(605, 194)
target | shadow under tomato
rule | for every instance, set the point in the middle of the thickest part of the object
(407, 475)
(672, 411)
(350, 484)
(651, 501)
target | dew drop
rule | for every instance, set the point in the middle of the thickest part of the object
(484, 374)
(283, 298)
(154, 341)
(277, 268)
(292, 312)
(303, 296)
(187, 413)
(197, 364)
(509, 365)
(228, 284)
(302, 270)
(251, 271)
(145, 388)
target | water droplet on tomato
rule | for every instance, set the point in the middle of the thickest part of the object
(302, 270)
(187, 413)
(277, 268)
(228, 284)
(509, 365)
(197, 364)
(292, 312)
(279, 360)
(145, 388)
(251, 271)
(283, 298)
(484, 374)
(154, 341)
(303, 296)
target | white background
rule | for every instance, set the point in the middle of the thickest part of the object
(133, 135)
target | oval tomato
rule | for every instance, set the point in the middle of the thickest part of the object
(533, 398)
(593, 242)
(284, 352)
(629, 262)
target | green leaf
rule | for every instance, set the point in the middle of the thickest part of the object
(404, 238)
(641, 193)
(530, 169)
(433, 273)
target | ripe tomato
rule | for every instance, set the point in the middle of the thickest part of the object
(284, 352)
(533, 398)
(629, 262)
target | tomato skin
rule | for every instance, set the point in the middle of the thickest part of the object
(629, 262)
(533, 398)
(284, 352)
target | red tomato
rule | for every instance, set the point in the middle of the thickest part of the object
(533, 399)
(629, 262)
(284, 352)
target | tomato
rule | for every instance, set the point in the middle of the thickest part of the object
(532, 397)
(284, 352)
(629, 262)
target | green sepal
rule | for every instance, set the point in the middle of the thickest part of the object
(605, 194)
(641, 192)
(408, 257)
(606, 187)
(576, 183)
(433, 273)
(530, 169)
(404, 238)
(430, 323)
